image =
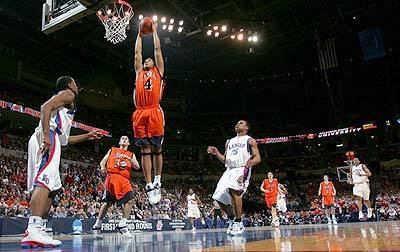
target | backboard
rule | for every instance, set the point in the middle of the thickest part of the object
(57, 14)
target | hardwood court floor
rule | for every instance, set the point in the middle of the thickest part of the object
(365, 236)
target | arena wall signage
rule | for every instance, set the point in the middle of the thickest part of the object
(15, 226)
(28, 111)
(322, 134)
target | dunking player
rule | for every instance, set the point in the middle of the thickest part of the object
(148, 118)
(328, 192)
(193, 208)
(117, 163)
(270, 189)
(359, 180)
(241, 153)
(44, 154)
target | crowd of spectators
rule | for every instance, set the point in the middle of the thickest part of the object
(83, 189)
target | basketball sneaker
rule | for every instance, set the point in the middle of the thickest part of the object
(237, 228)
(154, 196)
(124, 231)
(360, 215)
(229, 229)
(193, 229)
(369, 214)
(157, 188)
(97, 232)
(334, 221)
(36, 238)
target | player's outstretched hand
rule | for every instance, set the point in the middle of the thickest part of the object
(94, 135)
(212, 150)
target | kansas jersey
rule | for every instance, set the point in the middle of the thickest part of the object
(191, 201)
(149, 88)
(238, 152)
(356, 170)
(60, 123)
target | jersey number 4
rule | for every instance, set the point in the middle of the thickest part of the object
(148, 85)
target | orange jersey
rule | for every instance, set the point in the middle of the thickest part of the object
(149, 88)
(271, 187)
(326, 189)
(117, 164)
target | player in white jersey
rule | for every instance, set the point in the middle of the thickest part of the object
(193, 208)
(281, 202)
(359, 180)
(241, 153)
(44, 154)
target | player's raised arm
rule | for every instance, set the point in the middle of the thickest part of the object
(157, 51)
(138, 53)
(63, 98)
(367, 171)
(256, 158)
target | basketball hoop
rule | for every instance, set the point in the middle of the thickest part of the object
(115, 17)
(344, 172)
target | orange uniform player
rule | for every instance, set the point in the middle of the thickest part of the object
(270, 189)
(117, 163)
(328, 192)
(148, 118)
(118, 173)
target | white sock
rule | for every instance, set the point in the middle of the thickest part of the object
(149, 186)
(35, 222)
(98, 223)
(329, 218)
(157, 179)
(122, 222)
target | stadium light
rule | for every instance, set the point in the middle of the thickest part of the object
(140, 17)
(250, 39)
(99, 12)
(216, 34)
(215, 27)
(255, 38)
(163, 19)
(155, 18)
(233, 36)
(223, 28)
(170, 27)
(164, 27)
(209, 32)
(108, 11)
(171, 21)
(240, 36)
(180, 29)
(181, 22)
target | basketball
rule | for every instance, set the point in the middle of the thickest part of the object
(146, 26)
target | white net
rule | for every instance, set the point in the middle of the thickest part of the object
(115, 18)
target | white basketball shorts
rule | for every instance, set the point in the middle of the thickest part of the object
(43, 169)
(234, 178)
(193, 212)
(362, 190)
(281, 205)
